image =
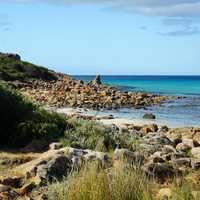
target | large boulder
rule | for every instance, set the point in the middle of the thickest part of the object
(55, 168)
(160, 171)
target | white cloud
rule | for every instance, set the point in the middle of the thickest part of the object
(179, 13)
(147, 7)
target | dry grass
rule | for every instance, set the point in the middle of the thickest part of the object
(92, 183)
(10, 158)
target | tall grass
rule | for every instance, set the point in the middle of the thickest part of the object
(92, 183)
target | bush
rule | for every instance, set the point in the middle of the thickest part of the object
(93, 135)
(12, 68)
(89, 135)
(22, 121)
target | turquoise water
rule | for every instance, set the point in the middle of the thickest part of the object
(182, 112)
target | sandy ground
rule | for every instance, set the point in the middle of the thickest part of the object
(117, 121)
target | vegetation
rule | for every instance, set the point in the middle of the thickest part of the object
(87, 134)
(12, 68)
(93, 183)
(22, 121)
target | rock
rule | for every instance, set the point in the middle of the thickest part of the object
(27, 188)
(98, 79)
(36, 146)
(157, 138)
(102, 158)
(149, 116)
(165, 194)
(55, 168)
(160, 171)
(182, 162)
(12, 182)
(163, 129)
(149, 149)
(195, 152)
(55, 146)
(150, 128)
(14, 56)
(156, 158)
(183, 147)
(4, 188)
(168, 149)
(195, 163)
(129, 156)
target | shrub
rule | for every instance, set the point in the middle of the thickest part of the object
(22, 121)
(12, 68)
(89, 135)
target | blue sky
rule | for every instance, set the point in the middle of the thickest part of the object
(134, 38)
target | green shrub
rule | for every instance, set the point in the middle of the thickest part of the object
(15, 69)
(22, 121)
(88, 135)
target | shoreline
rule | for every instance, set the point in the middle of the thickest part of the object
(109, 119)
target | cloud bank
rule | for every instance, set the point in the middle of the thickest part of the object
(178, 8)
(182, 11)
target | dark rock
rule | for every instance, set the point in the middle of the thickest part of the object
(55, 168)
(195, 163)
(149, 116)
(182, 162)
(160, 171)
(55, 146)
(12, 182)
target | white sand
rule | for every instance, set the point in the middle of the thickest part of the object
(117, 121)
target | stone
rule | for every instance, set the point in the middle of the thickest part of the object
(156, 158)
(101, 158)
(129, 156)
(189, 142)
(149, 116)
(27, 188)
(55, 146)
(55, 168)
(183, 147)
(165, 194)
(12, 182)
(182, 162)
(195, 152)
(150, 128)
(156, 138)
(160, 171)
(195, 163)
(4, 188)
(168, 149)
(196, 138)
(163, 129)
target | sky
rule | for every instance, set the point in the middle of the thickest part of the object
(109, 37)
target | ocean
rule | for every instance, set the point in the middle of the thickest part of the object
(176, 113)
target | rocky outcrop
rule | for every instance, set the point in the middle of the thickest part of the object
(67, 92)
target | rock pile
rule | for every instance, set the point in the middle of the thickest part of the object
(74, 93)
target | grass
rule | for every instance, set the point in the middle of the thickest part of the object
(92, 183)
(122, 182)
